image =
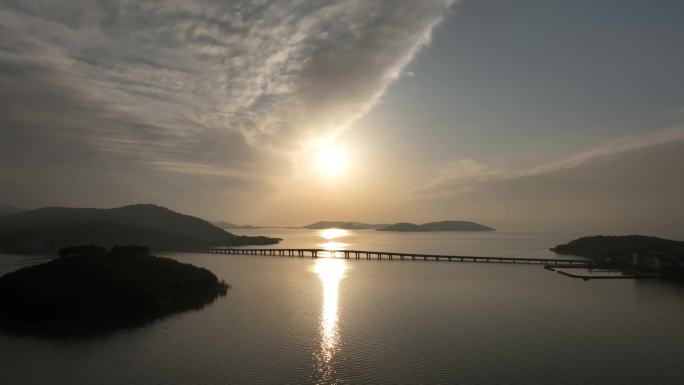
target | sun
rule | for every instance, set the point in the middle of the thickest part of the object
(332, 161)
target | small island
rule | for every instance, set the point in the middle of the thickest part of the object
(438, 226)
(92, 285)
(402, 226)
(344, 225)
(632, 252)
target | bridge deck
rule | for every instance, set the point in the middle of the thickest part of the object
(380, 255)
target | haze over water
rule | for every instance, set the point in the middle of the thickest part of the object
(504, 244)
(335, 321)
(144, 123)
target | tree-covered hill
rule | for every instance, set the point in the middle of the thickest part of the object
(91, 283)
(47, 229)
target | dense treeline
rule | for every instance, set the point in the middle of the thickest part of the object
(602, 246)
(438, 226)
(631, 252)
(90, 282)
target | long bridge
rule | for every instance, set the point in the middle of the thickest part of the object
(388, 255)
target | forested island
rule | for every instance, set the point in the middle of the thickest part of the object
(438, 226)
(345, 225)
(633, 251)
(91, 284)
(48, 229)
(402, 226)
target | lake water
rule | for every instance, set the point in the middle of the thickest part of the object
(334, 321)
(494, 244)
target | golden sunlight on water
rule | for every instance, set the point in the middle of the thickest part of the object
(330, 271)
(331, 236)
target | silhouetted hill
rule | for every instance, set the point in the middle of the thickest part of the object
(344, 225)
(403, 226)
(438, 226)
(91, 283)
(601, 246)
(47, 229)
(7, 210)
(139, 215)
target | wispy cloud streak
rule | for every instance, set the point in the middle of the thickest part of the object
(181, 74)
(467, 175)
(171, 93)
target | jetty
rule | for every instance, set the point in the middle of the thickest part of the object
(389, 255)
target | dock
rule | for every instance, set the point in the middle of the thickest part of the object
(601, 274)
(387, 255)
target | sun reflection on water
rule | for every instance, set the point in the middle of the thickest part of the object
(330, 271)
(331, 234)
(332, 244)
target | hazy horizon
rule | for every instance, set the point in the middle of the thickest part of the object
(523, 116)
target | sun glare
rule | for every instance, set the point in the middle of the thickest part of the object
(333, 233)
(332, 161)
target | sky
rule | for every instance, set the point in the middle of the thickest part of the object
(521, 115)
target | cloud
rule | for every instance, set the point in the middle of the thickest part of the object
(466, 175)
(205, 88)
(628, 186)
(273, 71)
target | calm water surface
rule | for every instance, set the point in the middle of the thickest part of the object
(495, 244)
(333, 321)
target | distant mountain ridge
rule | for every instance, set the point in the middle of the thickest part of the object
(8, 210)
(438, 226)
(344, 225)
(227, 225)
(50, 228)
(403, 226)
